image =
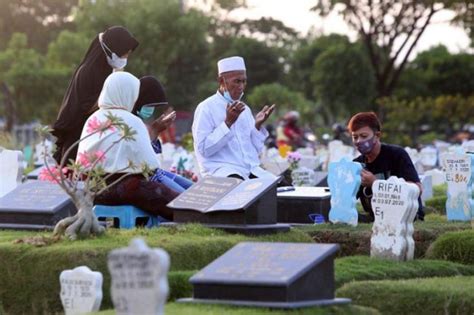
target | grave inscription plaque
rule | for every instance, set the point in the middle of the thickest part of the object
(283, 275)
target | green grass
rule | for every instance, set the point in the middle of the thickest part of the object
(355, 268)
(196, 309)
(454, 246)
(453, 295)
(29, 275)
(356, 240)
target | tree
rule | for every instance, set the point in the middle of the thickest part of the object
(285, 100)
(302, 61)
(40, 20)
(389, 30)
(436, 72)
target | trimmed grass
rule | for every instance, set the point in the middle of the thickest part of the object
(355, 268)
(356, 240)
(29, 281)
(454, 246)
(453, 295)
(196, 309)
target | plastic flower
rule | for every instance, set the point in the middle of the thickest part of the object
(293, 158)
(51, 175)
(94, 125)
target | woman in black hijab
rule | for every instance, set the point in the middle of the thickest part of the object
(108, 51)
(152, 96)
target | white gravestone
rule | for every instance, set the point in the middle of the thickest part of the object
(459, 175)
(338, 151)
(303, 176)
(468, 146)
(139, 279)
(427, 182)
(81, 290)
(42, 149)
(437, 176)
(415, 159)
(275, 165)
(395, 203)
(309, 161)
(429, 157)
(11, 170)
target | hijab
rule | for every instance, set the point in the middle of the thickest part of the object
(85, 87)
(118, 97)
(152, 92)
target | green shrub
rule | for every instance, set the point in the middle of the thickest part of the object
(360, 268)
(436, 205)
(440, 190)
(356, 240)
(455, 246)
(453, 295)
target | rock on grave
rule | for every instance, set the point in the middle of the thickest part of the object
(344, 181)
(139, 279)
(276, 275)
(395, 203)
(81, 290)
(11, 170)
(459, 174)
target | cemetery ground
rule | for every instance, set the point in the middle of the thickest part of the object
(439, 281)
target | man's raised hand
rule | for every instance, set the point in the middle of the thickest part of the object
(263, 115)
(233, 111)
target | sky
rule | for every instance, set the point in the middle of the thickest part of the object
(297, 14)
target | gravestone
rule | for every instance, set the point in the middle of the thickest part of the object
(438, 177)
(344, 182)
(303, 176)
(338, 151)
(309, 161)
(296, 206)
(468, 146)
(276, 275)
(275, 165)
(429, 157)
(415, 159)
(427, 182)
(40, 150)
(395, 204)
(35, 205)
(139, 279)
(459, 170)
(239, 206)
(11, 170)
(81, 290)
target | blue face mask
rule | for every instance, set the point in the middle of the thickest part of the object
(227, 94)
(146, 112)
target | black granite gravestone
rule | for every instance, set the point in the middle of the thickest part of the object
(35, 205)
(296, 206)
(231, 204)
(280, 275)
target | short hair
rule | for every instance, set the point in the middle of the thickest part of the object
(364, 119)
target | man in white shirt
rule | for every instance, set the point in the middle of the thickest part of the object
(227, 138)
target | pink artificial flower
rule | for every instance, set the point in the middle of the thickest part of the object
(51, 175)
(83, 159)
(294, 157)
(94, 125)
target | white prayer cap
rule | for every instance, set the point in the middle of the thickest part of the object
(234, 63)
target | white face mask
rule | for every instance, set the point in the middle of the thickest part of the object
(115, 62)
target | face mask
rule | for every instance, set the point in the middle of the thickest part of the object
(227, 94)
(115, 61)
(364, 147)
(146, 112)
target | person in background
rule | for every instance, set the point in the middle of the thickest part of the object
(107, 52)
(288, 131)
(380, 160)
(118, 98)
(227, 137)
(152, 96)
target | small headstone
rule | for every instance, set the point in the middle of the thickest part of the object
(303, 176)
(429, 157)
(42, 149)
(275, 165)
(309, 161)
(459, 170)
(468, 146)
(395, 204)
(35, 205)
(11, 170)
(344, 182)
(81, 290)
(415, 159)
(427, 182)
(338, 151)
(276, 275)
(139, 279)
(438, 177)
